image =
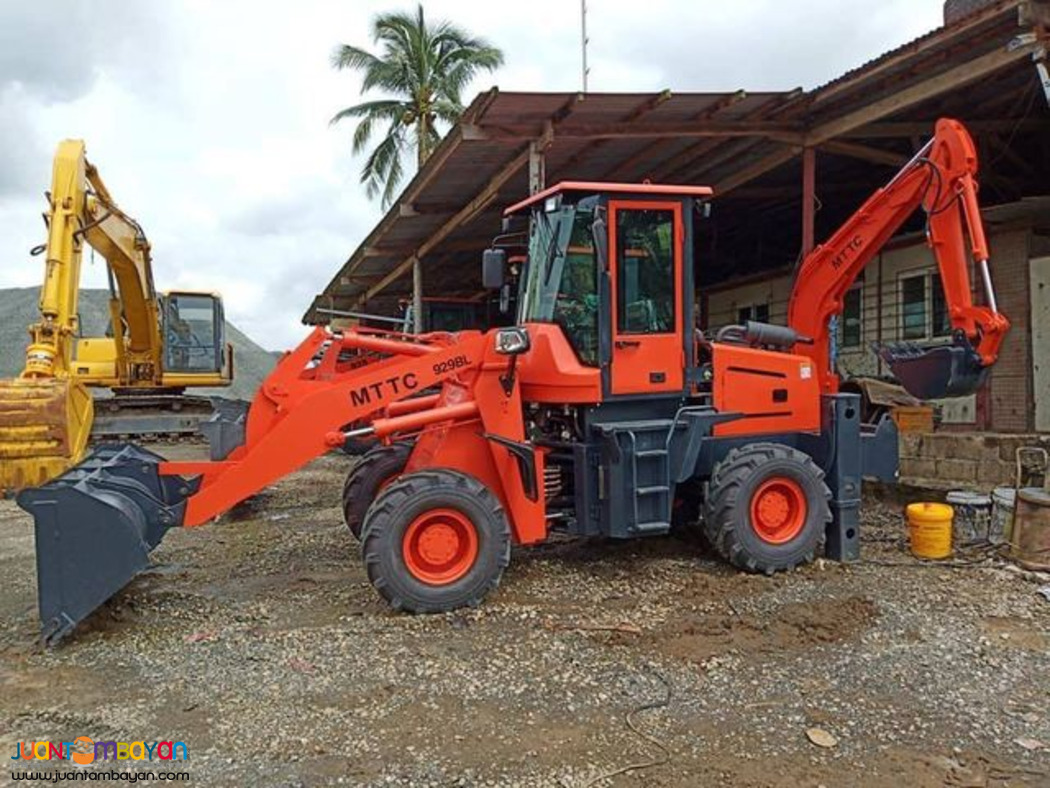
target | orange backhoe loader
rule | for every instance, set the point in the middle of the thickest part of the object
(602, 412)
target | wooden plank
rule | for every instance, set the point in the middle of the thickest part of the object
(903, 55)
(478, 203)
(758, 168)
(780, 131)
(628, 165)
(809, 199)
(908, 129)
(685, 161)
(899, 101)
(908, 97)
(867, 153)
(640, 111)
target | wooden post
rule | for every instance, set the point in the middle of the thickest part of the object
(417, 295)
(537, 168)
(809, 199)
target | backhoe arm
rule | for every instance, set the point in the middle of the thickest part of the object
(133, 307)
(941, 180)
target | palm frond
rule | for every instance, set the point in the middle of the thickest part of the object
(447, 111)
(382, 168)
(424, 69)
(346, 56)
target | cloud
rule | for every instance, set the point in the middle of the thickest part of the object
(57, 50)
(19, 144)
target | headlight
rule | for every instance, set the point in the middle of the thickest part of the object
(512, 341)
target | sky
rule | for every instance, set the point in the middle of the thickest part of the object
(208, 119)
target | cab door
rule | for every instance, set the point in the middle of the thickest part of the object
(645, 241)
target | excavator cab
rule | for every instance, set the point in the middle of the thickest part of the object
(194, 331)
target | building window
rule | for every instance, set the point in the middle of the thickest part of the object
(924, 311)
(756, 312)
(851, 318)
(942, 325)
(913, 307)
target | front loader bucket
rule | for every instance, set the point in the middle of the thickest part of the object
(44, 428)
(95, 527)
(935, 372)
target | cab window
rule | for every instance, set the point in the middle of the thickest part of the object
(576, 307)
(645, 298)
(190, 340)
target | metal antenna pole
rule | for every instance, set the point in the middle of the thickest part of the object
(583, 41)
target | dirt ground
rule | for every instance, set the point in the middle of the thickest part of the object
(259, 643)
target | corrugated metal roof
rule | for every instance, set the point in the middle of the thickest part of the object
(452, 206)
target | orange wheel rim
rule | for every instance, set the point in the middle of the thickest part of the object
(778, 510)
(440, 546)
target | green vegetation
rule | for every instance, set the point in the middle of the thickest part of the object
(423, 68)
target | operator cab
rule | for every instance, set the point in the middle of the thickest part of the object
(194, 331)
(611, 265)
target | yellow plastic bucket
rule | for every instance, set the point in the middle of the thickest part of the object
(930, 530)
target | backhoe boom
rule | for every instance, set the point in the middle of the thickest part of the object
(942, 180)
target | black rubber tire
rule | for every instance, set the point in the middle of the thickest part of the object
(727, 508)
(395, 509)
(355, 447)
(365, 479)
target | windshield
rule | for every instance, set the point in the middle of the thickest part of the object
(560, 283)
(190, 343)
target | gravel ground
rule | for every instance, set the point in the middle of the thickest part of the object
(259, 643)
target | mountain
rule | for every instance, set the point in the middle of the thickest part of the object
(18, 308)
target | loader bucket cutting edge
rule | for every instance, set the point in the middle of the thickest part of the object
(935, 372)
(95, 527)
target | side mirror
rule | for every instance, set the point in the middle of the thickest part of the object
(493, 269)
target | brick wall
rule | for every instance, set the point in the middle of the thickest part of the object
(957, 9)
(975, 461)
(1010, 386)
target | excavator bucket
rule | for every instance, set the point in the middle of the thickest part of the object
(95, 527)
(953, 370)
(44, 428)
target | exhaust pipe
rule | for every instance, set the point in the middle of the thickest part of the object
(95, 526)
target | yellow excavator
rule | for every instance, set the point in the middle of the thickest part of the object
(156, 347)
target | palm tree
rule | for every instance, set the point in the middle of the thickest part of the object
(424, 68)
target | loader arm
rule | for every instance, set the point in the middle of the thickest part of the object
(299, 410)
(97, 523)
(941, 179)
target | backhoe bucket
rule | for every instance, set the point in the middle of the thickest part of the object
(935, 372)
(95, 527)
(44, 428)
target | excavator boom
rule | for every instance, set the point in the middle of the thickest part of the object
(45, 414)
(158, 344)
(941, 179)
